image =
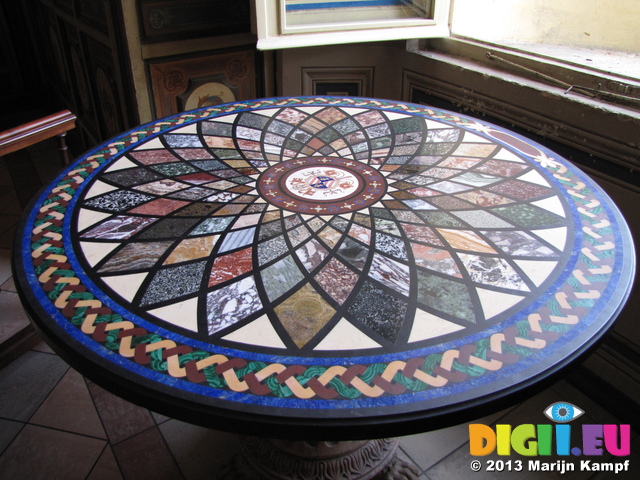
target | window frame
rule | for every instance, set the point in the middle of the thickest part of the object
(274, 33)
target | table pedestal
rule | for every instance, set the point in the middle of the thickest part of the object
(350, 460)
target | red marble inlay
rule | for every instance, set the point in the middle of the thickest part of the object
(161, 206)
(198, 178)
(231, 266)
(153, 157)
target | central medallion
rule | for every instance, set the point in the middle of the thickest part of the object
(322, 185)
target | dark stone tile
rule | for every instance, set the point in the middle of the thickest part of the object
(379, 311)
(121, 419)
(146, 456)
(40, 453)
(174, 282)
(26, 382)
(8, 431)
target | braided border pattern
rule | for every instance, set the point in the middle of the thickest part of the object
(489, 354)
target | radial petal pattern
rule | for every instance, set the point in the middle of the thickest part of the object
(292, 224)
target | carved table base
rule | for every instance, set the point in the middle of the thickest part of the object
(281, 459)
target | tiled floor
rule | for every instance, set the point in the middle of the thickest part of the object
(55, 424)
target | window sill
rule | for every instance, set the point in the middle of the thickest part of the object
(530, 91)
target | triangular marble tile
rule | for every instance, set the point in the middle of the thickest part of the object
(427, 326)
(537, 271)
(345, 336)
(125, 285)
(182, 314)
(259, 332)
(494, 303)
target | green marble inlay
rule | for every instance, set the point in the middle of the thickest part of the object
(445, 296)
(529, 216)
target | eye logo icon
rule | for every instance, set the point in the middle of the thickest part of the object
(563, 412)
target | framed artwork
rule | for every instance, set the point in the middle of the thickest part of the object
(191, 83)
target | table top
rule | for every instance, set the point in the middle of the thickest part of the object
(322, 267)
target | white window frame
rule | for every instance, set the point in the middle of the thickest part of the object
(274, 33)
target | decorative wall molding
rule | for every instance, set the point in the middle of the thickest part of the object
(347, 81)
(539, 108)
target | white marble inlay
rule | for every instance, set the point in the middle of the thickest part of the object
(259, 332)
(345, 336)
(121, 164)
(154, 143)
(98, 188)
(555, 236)
(426, 326)
(397, 116)
(311, 110)
(551, 204)
(87, 218)
(533, 176)
(193, 128)
(94, 252)
(473, 138)
(182, 314)
(227, 118)
(126, 285)
(433, 125)
(537, 271)
(505, 154)
(494, 303)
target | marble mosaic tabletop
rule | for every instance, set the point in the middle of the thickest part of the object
(333, 263)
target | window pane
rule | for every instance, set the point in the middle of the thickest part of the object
(315, 12)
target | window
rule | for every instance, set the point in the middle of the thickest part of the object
(590, 33)
(296, 23)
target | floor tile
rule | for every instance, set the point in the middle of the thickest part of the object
(14, 319)
(40, 453)
(106, 468)
(199, 451)
(120, 418)
(596, 413)
(43, 348)
(426, 449)
(26, 382)
(8, 431)
(9, 285)
(8, 221)
(5, 264)
(146, 456)
(10, 203)
(457, 464)
(7, 237)
(70, 407)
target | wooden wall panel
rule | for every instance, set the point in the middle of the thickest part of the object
(164, 20)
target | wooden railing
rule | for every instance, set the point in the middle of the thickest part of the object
(56, 125)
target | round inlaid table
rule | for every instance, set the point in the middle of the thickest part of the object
(322, 269)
